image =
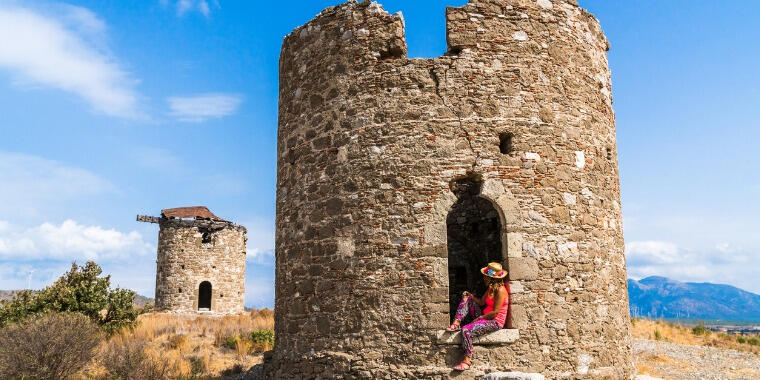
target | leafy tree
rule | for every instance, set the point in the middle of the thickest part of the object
(80, 290)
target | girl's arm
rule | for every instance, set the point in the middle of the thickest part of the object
(478, 300)
(499, 303)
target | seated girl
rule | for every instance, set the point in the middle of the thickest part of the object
(486, 320)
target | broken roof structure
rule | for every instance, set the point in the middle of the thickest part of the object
(194, 212)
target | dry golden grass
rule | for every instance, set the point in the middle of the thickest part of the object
(191, 346)
(659, 330)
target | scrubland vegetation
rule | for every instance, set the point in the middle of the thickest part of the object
(79, 328)
(697, 335)
(671, 351)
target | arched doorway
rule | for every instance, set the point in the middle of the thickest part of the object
(474, 239)
(204, 296)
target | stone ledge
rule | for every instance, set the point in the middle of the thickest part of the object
(503, 336)
(513, 376)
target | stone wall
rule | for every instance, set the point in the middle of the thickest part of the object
(369, 146)
(191, 252)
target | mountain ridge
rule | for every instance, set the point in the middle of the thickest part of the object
(661, 297)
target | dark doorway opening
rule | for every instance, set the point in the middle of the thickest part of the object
(204, 296)
(474, 239)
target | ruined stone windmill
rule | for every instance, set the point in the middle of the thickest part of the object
(201, 262)
(398, 178)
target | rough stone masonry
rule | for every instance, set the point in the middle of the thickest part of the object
(201, 262)
(398, 177)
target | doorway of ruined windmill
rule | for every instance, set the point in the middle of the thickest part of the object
(473, 238)
(204, 296)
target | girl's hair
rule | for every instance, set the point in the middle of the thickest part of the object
(493, 285)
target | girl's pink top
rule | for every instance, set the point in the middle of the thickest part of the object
(502, 316)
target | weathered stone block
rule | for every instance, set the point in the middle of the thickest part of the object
(503, 336)
(522, 268)
(513, 375)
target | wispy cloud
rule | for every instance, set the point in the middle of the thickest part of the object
(32, 184)
(70, 241)
(260, 246)
(720, 263)
(177, 171)
(66, 50)
(202, 107)
(183, 7)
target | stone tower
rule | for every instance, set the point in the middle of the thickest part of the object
(201, 262)
(398, 178)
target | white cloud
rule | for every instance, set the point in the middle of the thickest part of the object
(70, 241)
(199, 108)
(183, 7)
(32, 185)
(66, 51)
(652, 252)
(719, 263)
(260, 246)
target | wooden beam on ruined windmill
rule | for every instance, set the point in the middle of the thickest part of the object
(148, 219)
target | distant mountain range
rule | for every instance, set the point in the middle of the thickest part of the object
(660, 297)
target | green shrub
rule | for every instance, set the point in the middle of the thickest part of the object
(262, 336)
(230, 342)
(197, 367)
(51, 346)
(700, 330)
(741, 339)
(79, 290)
(755, 341)
(657, 335)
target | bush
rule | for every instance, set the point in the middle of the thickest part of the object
(53, 346)
(741, 339)
(657, 334)
(197, 367)
(80, 290)
(230, 342)
(177, 341)
(263, 340)
(126, 359)
(700, 330)
(755, 341)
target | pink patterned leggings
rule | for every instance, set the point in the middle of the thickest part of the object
(469, 308)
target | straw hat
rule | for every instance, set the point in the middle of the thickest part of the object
(494, 270)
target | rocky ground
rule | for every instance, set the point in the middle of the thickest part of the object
(680, 361)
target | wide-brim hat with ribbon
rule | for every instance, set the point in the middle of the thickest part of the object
(494, 270)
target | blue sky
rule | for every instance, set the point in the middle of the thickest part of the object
(109, 109)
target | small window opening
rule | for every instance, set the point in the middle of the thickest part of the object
(454, 51)
(221, 296)
(213, 267)
(206, 237)
(182, 266)
(180, 290)
(609, 154)
(392, 52)
(505, 143)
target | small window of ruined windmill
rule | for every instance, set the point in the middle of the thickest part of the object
(505, 143)
(206, 237)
